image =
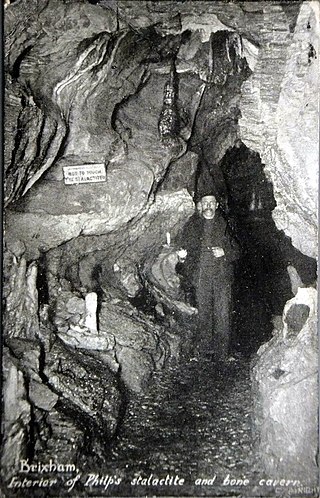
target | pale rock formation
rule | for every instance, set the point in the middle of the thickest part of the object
(16, 417)
(91, 311)
(20, 294)
(41, 396)
(294, 279)
(280, 117)
(136, 344)
(285, 383)
(90, 388)
(128, 276)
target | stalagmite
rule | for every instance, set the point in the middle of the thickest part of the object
(295, 279)
(168, 239)
(91, 311)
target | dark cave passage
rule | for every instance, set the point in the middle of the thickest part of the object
(269, 267)
(262, 274)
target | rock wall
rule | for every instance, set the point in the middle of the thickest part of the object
(135, 87)
(97, 128)
(280, 119)
(46, 383)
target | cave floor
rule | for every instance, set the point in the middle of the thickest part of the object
(195, 423)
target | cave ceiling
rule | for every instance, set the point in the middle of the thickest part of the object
(85, 82)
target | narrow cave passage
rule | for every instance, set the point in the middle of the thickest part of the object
(200, 405)
(193, 418)
(270, 266)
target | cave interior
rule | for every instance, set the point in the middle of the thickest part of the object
(156, 106)
(262, 284)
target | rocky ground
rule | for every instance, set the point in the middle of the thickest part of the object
(195, 423)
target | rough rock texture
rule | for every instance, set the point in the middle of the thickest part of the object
(152, 91)
(37, 67)
(68, 310)
(85, 385)
(280, 117)
(16, 416)
(64, 393)
(51, 393)
(127, 342)
(106, 96)
(114, 261)
(216, 127)
(20, 294)
(139, 346)
(285, 383)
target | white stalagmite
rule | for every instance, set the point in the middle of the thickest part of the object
(168, 239)
(91, 311)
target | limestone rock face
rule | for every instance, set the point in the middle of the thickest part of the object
(102, 125)
(67, 393)
(114, 261)
(16, 416)
(285, 384)
(20, 294)
(92, 392)
(89, 83)
(100, 208)
(41, 396)
(280, 119)
(139, 346)
(108, 111)
(128, 343)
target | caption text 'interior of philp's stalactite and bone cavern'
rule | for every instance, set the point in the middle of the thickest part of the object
(160, 248)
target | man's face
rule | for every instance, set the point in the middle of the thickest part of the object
(208, 206)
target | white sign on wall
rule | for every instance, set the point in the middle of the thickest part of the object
(84, 173)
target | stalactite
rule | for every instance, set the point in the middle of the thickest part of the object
(169, 117)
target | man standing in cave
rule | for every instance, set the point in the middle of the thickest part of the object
(208, 274)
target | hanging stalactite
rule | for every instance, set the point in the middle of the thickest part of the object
(169, 122)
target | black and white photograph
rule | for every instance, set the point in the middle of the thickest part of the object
(159, 250)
